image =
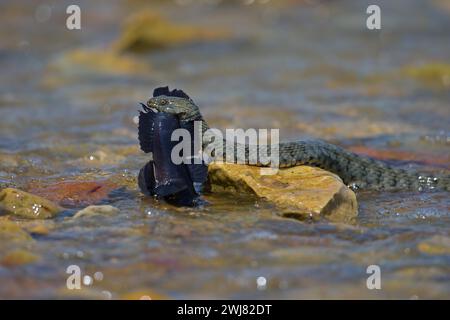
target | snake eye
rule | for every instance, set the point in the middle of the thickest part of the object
(163, 102)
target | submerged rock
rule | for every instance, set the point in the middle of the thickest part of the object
(434, 74)
(301, 192)
(76, 193)
(38, 227)
(19, 257)
(11, 232)
(436, 245)
(148, 30)
(96, 210)
(96, 61)
(27, 205)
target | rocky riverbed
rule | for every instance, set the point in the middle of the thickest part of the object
(69, 154)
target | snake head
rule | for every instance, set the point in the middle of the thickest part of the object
(175, 102)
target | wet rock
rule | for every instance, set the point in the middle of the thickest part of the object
(436, 245)
(99, 158)
(4, 185)
(125, 179)
(301, 192)
(18, 257)
(431, 74)
(27, 205)
(90, 61)
(38, 227)
(148, 30)
(96, 211)
(76, 193)
(11, 232)
(8, 160)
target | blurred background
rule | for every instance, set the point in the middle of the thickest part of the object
(68, 107)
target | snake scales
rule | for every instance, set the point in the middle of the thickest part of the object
(356, 171)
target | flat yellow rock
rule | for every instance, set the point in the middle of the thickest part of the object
(85, 61)
(27, 205)
(302, 192)
(147, 30)
(11, 232)
(19, 257)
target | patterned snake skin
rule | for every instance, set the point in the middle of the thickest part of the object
(356, 171)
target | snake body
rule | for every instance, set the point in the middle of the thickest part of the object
(356, 171)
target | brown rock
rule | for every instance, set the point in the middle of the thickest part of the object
(301, 192)
(11, 232)
(40, 227)
(436, 245)
(433, 74)
(86, 61)
(96, 211)
(148, 30)
(76, 193)
(18, 257)
(27, 205)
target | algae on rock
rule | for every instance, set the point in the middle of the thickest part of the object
(301, 192)
(27, 205)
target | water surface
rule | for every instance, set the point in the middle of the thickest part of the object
(312, 70)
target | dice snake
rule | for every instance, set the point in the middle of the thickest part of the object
(356, 171)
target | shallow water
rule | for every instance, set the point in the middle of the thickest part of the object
(311, 70)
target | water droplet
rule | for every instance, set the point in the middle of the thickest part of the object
(261, 283)
(98, 276)
(87, 280)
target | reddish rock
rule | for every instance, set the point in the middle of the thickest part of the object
(75, 193)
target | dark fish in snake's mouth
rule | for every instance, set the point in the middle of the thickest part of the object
(178, 184)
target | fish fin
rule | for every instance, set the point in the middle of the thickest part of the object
(146, 179)
(164, 91)
(175, 186)
(184, 198)
(145, 131)
(198, 172)
(161, 91)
